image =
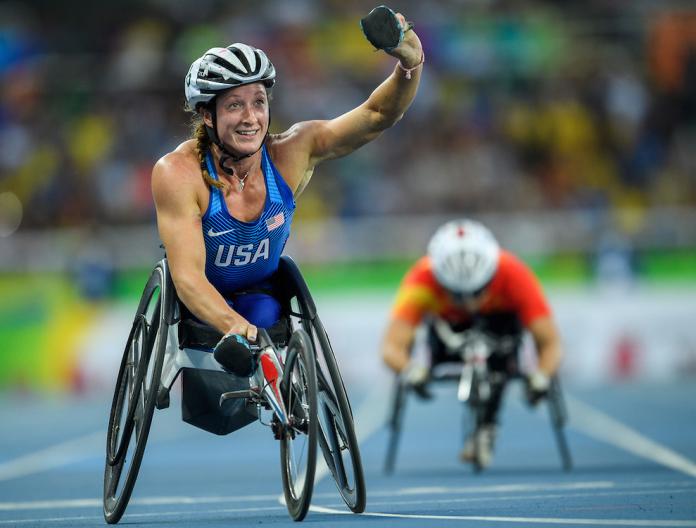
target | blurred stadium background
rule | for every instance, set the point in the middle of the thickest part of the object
(568, 127)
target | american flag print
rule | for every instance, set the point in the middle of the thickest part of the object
(275, 222)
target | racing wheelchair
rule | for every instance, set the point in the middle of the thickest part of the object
(311, 407)
(467, 363)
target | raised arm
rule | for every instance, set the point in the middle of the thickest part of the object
(174, 181)
(385, 106)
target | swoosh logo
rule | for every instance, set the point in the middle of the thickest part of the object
(212, 233)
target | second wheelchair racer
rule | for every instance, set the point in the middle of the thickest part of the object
(225, 199)
(469, 282)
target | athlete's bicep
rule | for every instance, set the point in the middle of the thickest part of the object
(178, 222)
(342, 135)
(298, 150)
(330, 139)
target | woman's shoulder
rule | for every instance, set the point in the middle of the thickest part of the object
(292, 148)
(183, 153)
(182, 159)
(180, 166)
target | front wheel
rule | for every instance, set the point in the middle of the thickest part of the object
(298, 445)
(134, 397)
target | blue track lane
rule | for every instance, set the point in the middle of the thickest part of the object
(634, 448)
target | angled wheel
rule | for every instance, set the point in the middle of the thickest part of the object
(338, 441)
(134, 397)
(298, 445)
(394, 424)
(559, 416)
(340, 449)
(337, 436)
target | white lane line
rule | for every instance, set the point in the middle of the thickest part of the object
(55, 456)
(179, 514)
(548, 496)
(521, 489)
(527, 520)
(603, 427)
(15, 522)
(94, 503)
(141, 501)
(498, 488)
(550, 486)
(403, 492)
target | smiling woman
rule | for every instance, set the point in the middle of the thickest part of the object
(225, 199)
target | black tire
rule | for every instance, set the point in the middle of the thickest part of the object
(134, 397)
(299, 392)
(338, 441)
(337, 436)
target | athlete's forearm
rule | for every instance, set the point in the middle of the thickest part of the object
(395, 357)
(549, 357)
(391, 99)
(206, 303)
(548, 344)
(396, 345)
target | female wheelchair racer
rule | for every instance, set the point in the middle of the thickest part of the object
(310, 407)
(225, 200)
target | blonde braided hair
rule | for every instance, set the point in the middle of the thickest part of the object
(203, 144)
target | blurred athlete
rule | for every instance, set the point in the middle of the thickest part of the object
(225, 198)
(468, 282)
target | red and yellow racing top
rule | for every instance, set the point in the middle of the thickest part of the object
(514, 289)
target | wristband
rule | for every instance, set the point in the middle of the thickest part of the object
(409, 70)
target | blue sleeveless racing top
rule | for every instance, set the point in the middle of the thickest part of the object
(242, 254)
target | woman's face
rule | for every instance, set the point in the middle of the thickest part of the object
(242, 118)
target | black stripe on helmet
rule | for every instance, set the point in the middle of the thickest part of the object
(240, 55)
(234, 69)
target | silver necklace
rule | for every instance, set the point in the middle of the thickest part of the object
(242, 180)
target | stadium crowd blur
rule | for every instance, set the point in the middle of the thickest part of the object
(524, 104)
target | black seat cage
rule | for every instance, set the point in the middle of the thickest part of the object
(288, 283)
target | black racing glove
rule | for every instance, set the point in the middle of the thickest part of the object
(382, 28)
(234, 354)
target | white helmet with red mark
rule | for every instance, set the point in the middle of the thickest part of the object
(464, 255)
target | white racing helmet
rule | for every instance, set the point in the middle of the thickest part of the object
(464, 255)
(220, 69)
